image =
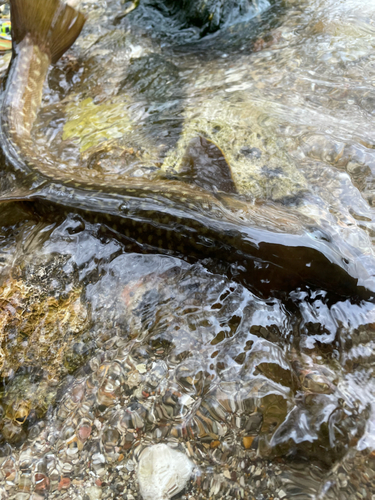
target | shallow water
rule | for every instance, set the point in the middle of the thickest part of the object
(106, 351)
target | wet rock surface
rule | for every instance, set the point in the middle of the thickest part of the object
(209, 16)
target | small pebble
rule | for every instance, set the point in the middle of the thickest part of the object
(141, 368)
(247, 441)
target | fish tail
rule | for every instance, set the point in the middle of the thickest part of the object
(51, 24)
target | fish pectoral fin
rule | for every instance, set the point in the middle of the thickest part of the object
(51, 24)
(205, 165)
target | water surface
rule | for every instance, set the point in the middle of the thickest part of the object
(106, 351)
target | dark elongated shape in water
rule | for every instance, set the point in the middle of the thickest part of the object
(276, 253)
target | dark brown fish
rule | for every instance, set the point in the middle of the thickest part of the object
(274, 251)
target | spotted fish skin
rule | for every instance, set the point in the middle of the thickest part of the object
(275, 251)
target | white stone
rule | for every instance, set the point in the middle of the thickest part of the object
(186, 400)
(94, 493)
(162, 472)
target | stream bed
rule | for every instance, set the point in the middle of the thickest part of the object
(107, 348)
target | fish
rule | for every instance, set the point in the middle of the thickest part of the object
(268, 248)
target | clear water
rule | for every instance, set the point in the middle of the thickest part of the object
(105, 351)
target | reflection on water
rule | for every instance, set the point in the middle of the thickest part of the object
(105, 351)
(149, 349)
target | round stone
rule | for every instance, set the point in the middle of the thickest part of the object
(162, 472)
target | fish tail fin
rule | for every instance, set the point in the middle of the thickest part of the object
(204, 163)
(51, 24)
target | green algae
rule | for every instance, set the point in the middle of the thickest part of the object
(36, 327)
(244, 131)
(91, 124)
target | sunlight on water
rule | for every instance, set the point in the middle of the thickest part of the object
(147, 349)
(106, 349)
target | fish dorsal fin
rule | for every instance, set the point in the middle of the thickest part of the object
(51, 24)
(205, 165)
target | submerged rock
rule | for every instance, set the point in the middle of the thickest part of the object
(210, 15)
(37, 323)
(162, 472)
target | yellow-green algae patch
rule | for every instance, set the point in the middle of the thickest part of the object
(36, 329)
(245, 132)
(109, 139)
(92, 123)
(37, 332)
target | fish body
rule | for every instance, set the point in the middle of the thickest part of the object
(274, 250)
